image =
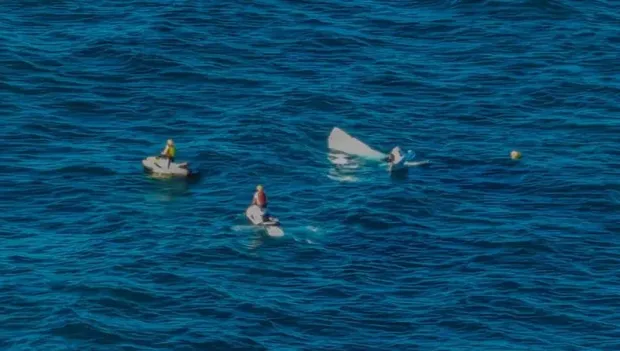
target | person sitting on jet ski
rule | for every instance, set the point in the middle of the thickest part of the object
(169, 151)
(260, 200)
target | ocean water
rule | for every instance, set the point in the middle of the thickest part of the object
(469, 251)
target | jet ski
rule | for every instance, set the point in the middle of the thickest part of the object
(269, 223)
(159, 165)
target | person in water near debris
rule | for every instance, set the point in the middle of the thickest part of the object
(394, 156)
(260, 200)
(169, 151)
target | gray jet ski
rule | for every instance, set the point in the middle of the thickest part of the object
(159, 165)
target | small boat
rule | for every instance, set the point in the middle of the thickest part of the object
(340, 141)
(160, 165)
(269, 223)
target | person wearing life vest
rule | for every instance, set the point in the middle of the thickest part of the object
(169, 151)
(260, 200)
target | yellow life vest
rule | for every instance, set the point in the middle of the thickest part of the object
(172, 151)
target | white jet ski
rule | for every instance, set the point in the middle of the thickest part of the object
(271, 224)
(339, 140)
(159, 165)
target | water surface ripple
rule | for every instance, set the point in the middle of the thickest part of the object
(471, 251)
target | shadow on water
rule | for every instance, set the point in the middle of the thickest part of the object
(405, 173)
(259, 238)
(256, 241)
(169, 188)
(400, 176)
(193, 179)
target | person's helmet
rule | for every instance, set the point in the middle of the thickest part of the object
(259, 187)
(170, 142)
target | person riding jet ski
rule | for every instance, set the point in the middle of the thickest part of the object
(260, 200)
(169, 151)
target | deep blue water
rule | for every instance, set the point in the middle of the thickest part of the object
(472, 251)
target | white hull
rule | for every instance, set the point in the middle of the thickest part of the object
(341, 141)
(255, 215)
(160, 166)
